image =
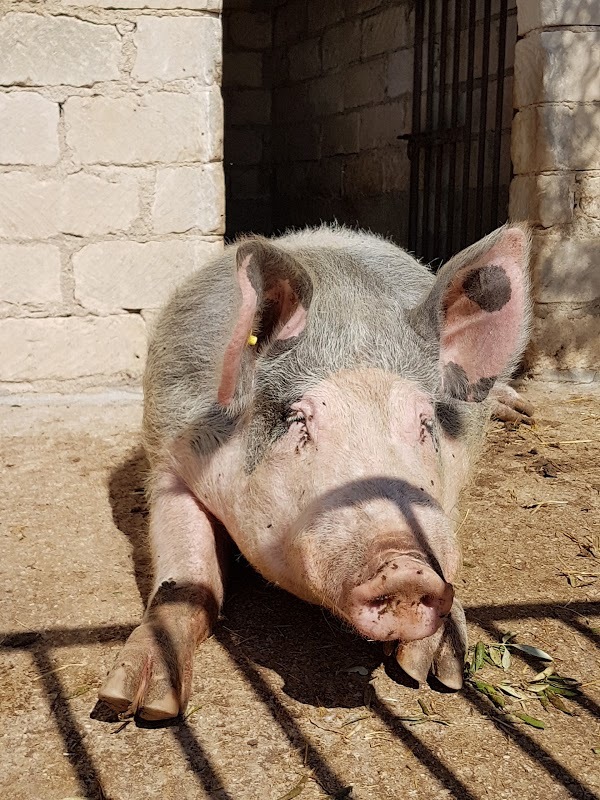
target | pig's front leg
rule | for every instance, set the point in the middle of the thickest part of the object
(509, 406)
(442, 654)
(152, 675)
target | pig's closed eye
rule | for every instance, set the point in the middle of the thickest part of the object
(296, 421)
(427, 429)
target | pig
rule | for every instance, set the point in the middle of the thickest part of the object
(320, 399)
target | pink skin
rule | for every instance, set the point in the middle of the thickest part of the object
(233, 353)
(405, 600)
(479, 341)
(291, 312)
(348, 509)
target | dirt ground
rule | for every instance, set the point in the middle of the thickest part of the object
(286, 702)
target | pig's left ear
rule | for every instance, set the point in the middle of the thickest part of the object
(479, 309)
(274, 294)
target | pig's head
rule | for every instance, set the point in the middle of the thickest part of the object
(361, 418)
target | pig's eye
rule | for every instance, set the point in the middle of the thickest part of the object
(298, 418)
(428, 431)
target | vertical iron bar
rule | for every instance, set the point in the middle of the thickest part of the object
(414, 152)
(441, 125)
(453, 124)
(483, 95)
(428, 155)
(468, 124)
(494, 221)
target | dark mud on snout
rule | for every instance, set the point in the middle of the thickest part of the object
(321, 661)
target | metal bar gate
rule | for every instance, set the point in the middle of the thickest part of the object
(459, 147)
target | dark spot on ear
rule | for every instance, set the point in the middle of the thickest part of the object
(456, 382)
(489, 287)
(481, 389)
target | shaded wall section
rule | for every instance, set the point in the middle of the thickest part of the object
(312, 115)
(247, 84)
(324, 116)
(342, 83)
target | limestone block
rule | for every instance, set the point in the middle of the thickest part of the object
(360, 6)
(381, 125)
(364, 84)
(29, 274)
(567, 339)
(544, 200)
(290, 21)
(243, 146)
(171, 48)
(340, 134)
(400, 73)
(533, 14)
(299, 142)
(326, 95)
(556, 137)
(305, 60)
(566, 270)
(290, 103)
(244, 69)
(250, 30)
(310, 180)
(386, 31)
(72, 347)
(157, 127)
(589, 196)
(195, 5)
(47, 51)
(248, 106)
(248, 183)
(341, 45)
(90, 204)
(321, 15)
(373, 172)
(81, 204)
(551, 66)
(28, 129)
(188, 198)
(110, 276)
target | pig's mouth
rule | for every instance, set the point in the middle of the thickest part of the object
(405, 600)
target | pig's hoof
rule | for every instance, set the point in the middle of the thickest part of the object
(509, 406)
(442, 655)
(145, 680)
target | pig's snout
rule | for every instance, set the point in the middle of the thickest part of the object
(404, 600)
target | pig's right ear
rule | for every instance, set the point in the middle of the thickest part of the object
(479, 312)
(274, 296)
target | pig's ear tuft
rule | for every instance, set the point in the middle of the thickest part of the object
(274, 295)
(479, 308)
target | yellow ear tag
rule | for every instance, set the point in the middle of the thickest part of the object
(252, 340)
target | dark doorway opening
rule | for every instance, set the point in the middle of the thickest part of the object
(390, 115)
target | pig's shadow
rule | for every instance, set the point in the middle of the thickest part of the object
(314, 653)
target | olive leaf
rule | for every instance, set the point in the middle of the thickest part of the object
(531, 651)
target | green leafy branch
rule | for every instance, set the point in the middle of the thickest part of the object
(547, 687)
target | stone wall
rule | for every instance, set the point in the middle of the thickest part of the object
(111, 180)
(342, 82)
(556, 158)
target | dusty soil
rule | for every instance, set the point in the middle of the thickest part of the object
(286, 702)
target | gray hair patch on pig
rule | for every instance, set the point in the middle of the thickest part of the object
(489, 287)
(457, 384)
(456, 381)
(481, 389)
